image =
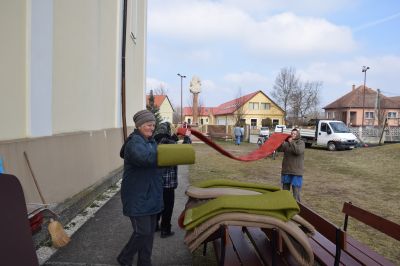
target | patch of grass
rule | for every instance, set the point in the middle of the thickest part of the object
(368, 177)
(101, 197)
(94, 205)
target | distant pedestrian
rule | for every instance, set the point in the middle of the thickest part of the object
(293, 164)
(141, 189)
(241, 133)
(238, 134)
(163, 135)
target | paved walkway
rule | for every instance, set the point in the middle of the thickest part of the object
(101, 238)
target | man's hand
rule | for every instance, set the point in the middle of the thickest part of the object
(290, 139)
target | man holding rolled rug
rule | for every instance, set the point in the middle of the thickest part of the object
(141, 189)
(293, 163)
(163, 135)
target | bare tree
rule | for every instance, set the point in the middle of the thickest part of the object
(176, 116)
(304, 99)
(285, 83)
(160, 90)
(239, 107)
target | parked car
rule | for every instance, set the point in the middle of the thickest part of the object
(264, 131)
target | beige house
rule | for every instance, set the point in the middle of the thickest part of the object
(205, 115)
(165, 106)
(376, 107)
(60, 87)
(251, 109)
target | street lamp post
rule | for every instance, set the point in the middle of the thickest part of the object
(182, 77)
(364, 70)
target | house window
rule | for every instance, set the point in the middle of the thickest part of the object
(253, 123)
(265, 106)
(329, 115)
(369, 115)
(253, 106)
(392, 115)
(275, 122)
(201, 121)
(189, 121)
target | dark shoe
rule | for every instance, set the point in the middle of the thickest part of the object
(122, 264)
(165, 234)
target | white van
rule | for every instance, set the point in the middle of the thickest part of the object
(332, 134)
(280, 128)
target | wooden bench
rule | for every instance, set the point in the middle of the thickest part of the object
(359, 250)
(333, 246)
(237, 245)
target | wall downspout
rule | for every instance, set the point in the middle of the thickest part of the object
(123, 94)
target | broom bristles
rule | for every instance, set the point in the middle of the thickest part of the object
(59, 237)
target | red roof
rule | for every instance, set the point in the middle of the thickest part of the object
(225, 108)
(158, 99)
(231, 106)
(395, 98)
(356, 99)
(204, 111)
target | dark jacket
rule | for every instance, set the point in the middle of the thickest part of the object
(142, 184)
(293, 158)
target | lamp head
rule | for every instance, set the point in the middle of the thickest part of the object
(365, 68)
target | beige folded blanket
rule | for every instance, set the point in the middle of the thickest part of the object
(293, 236)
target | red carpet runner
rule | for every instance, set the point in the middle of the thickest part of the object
(266, 149)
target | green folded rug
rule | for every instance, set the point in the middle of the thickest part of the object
(236, 184)
(175, 154)
(279, 204)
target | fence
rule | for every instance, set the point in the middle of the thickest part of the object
(373, 134)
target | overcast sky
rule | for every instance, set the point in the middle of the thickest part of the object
(237, 45)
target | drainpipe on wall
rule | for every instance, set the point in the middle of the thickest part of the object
(123, 97)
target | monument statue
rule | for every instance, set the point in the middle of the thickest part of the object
(195, 88)
(195, 85)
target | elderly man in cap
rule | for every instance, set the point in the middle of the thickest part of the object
(141, 189)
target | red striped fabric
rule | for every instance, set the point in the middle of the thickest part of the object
(266, 149)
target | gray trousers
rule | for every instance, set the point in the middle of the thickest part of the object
(141, 241)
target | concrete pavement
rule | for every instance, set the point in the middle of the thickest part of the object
(101, 238)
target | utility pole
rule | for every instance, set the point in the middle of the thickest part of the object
(364, 70)
(182, 77)
(378, 103)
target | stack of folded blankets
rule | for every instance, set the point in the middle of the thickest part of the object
(217, 202)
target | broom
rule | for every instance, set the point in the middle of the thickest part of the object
(58, 236)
